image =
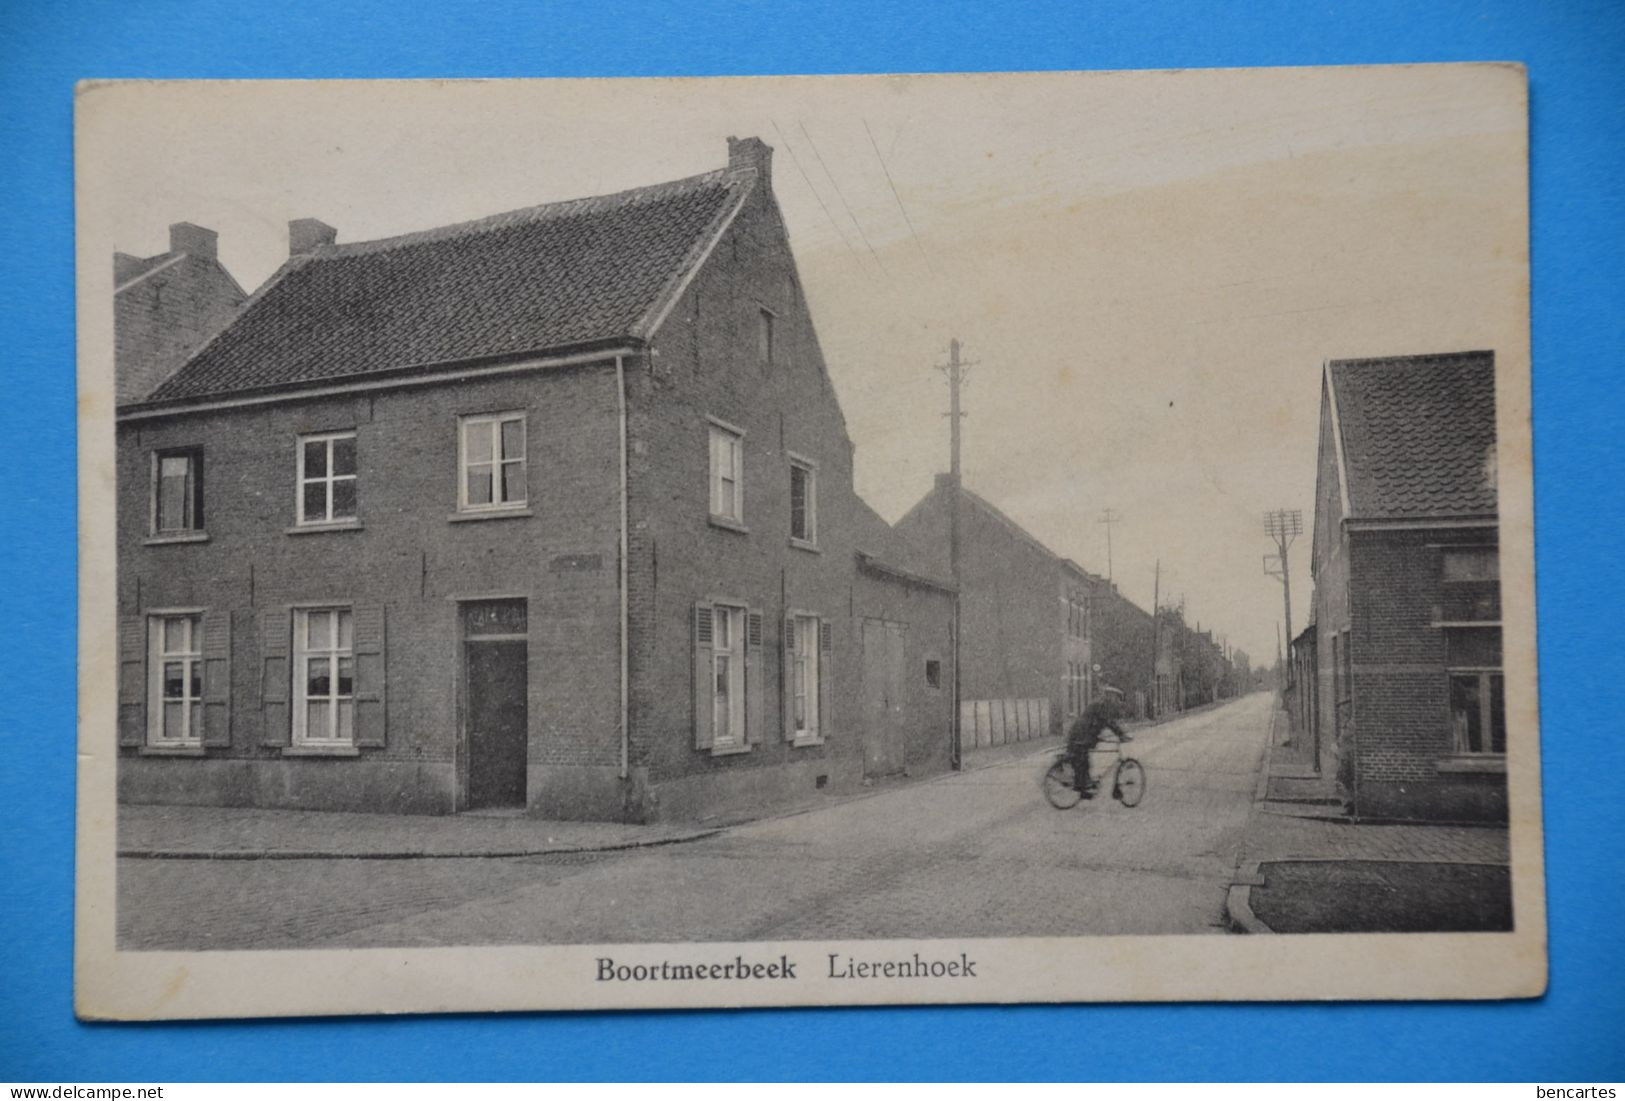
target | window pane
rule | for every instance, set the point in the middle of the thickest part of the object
(315, 498)
(1498, 714)
(346, 721)
(318, 630)
(174, 720)
(344, 497)
(513, 482)
(174, 680)
(315, 458)
(798, 502)
(318, 717)
(478, 446)
(1472, 564)
(318, 678)
(722, 639)
(1466, 718)
(479, 484)
(174, 493)
(195, 730)
(513, 439)
(346, 630)
(1470, 646)
(346, 676)
(196, 692)
(344, 455)
(175, 641)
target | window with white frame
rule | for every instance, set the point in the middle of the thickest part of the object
(728, 676)
(492, 450)
(727, 474)
(175, 671)
(1477, 691)
(327, 478)
(177, 490)
(803, 502)
(324, 677)
(804, 676)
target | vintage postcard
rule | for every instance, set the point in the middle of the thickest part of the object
(573, 544)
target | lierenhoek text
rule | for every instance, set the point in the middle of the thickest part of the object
(916, 968)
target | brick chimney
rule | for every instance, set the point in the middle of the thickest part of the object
(194, 240)
(307, 235)
(751, 153)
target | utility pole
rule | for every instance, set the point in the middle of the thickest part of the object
(1283, 525)
(957, 373)
(1109, 517)
(1156, 642)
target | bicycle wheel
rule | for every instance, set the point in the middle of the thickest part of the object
(1058, 787)
(1130, 786)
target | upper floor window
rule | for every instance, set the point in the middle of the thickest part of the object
(1472, 564)
(727, 474)
(764, 336)
(177, 490)
(492, 449)
(803, 501)
(327, 477)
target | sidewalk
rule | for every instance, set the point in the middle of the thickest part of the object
(236, 833)
(1306, 868)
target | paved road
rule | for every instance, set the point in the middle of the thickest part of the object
(975, 854)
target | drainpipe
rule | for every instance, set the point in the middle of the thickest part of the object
(626, 731)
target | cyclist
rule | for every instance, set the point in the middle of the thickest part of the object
(1105, 713)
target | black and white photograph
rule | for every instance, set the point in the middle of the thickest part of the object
(569, 544)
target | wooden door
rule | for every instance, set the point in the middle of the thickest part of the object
(497, 727)
(885, 710)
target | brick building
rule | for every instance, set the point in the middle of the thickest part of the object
(549, 510)
(1025, 658)
(1408, 704)
(166, 306)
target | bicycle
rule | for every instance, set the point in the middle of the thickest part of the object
(1128, 778)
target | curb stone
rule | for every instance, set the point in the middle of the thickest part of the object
(454, 854)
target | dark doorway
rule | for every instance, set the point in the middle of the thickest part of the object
(497, 680)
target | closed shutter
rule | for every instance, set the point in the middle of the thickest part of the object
(371, 708)
(132, 679)
(755, 690)
(217, 679)
(276, 636)
(787, 678)
(826, 679)
(703, 686)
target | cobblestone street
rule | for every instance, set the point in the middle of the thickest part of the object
(974, 854)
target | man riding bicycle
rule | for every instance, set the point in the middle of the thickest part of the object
(1104, 714)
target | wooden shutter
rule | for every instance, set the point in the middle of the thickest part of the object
(276, 636)
(826, 679)
(217, 679)
(132, 679)
(704, 688)
(787, 677)
(755, 690)
(371, 709)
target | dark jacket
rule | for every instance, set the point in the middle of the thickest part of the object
(1103, 714)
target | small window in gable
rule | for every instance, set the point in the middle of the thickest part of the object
(764, 336)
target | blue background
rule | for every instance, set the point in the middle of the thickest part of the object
(1577, 74)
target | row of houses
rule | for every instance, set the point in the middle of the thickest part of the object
(1397, 682)
(552, 510)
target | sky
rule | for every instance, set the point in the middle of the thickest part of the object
(1148, 269)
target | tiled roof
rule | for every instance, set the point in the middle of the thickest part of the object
(535, 280)
(1418, 435)
(891, 549)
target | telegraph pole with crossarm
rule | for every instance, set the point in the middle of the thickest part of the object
(957, 372)
(1283, 525)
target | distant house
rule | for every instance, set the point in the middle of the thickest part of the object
(1026, 657)
(1409, 707)
(551, 510)
(166, 306)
